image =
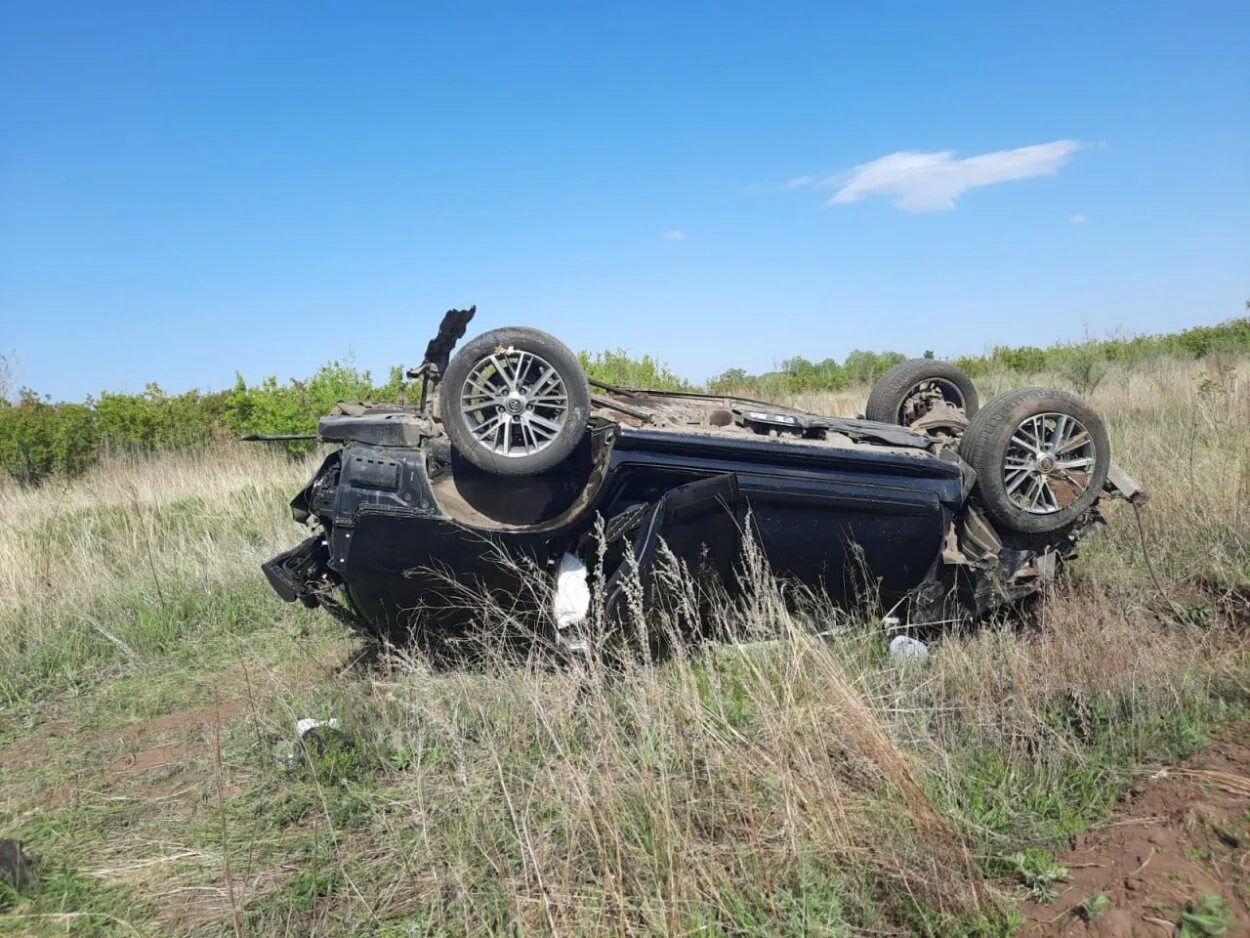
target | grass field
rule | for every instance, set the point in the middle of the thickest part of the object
(150, 681)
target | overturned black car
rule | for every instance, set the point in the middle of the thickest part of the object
(512, 461)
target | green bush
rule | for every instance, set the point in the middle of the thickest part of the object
(866, 367)
(798, 375)
(154, 420)
(973, 365)
(273, 408)
(616, 367)
(1083, 366)
(39, 438)
(1025, 359)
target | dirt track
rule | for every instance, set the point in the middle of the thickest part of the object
(1184, 834)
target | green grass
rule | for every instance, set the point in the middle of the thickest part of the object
(804, 787)
(1094, 906)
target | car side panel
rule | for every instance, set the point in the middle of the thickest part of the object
(839, 519)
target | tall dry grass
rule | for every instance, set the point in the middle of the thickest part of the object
(777, 782)
(66, 540)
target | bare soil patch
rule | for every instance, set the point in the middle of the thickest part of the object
(30, 749)
(1183, 834)
(148, 756)
(180, 721)
(158, 757)
(33, 749)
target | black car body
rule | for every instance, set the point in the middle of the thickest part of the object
(407, 529)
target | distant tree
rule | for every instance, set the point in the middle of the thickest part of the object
(928, 353)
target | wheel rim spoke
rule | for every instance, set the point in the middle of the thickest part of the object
(540, 387)
(542, 423)
(502, 372)
(488, 427)
(1048, 497)
(1016, 482)
(1023, 443)
(1075, 463)
(478, 387)
(1074, 443)
(1079, 480)
(1060, 433)
(1034, 491)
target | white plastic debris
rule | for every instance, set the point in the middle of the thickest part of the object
(319, 736)
(307, 725)
(571, 602)
(903, 648)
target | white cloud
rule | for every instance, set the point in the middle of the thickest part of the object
(931, 182)
(798, 182)
(674, 234)
(1078, 219)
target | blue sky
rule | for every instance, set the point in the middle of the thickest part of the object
(187, 190)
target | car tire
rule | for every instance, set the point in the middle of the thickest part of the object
(1041, 458)
(514, 401)
(888, 400)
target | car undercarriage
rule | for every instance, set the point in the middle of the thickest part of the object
(513, 466)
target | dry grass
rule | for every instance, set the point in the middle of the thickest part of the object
(66, 541)
(779, 784)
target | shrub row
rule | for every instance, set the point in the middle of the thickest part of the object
(798, 375)
(1231, 337)
(39, 438)
(617, 367)
(1081, 363)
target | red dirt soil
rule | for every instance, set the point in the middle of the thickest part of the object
(1183, 834)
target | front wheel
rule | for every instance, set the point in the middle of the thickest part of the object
(1041, 458)
(514, 402)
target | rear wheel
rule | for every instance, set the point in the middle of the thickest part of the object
(514, 401)
(1041, 458)
(919, 388)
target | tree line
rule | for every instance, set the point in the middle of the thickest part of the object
(40, 438)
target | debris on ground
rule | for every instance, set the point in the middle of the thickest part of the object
(571, 602)
(905, 649)
(317, 736)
